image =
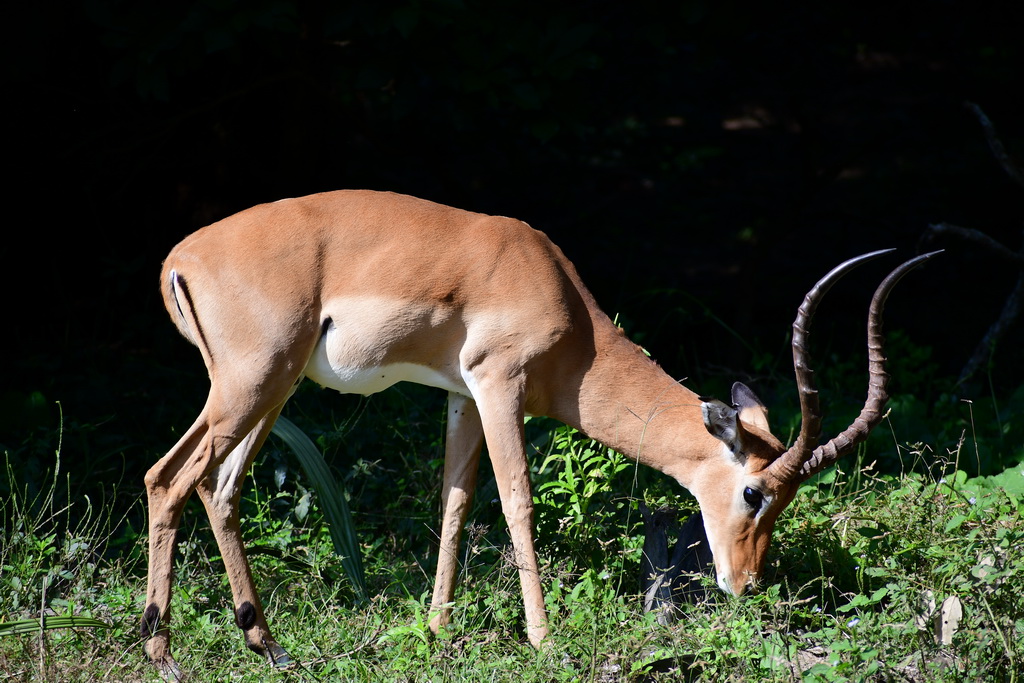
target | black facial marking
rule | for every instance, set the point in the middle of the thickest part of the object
(245, 616)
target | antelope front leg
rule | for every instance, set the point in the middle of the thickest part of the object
(220, 493)
(463, 442)
(501, 411)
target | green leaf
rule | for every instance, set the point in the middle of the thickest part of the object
(955, 522)
(47, 623)
(332, 501)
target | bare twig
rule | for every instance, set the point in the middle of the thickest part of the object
(981, 239)
(42, 630)
(996, 145)
(1012, 308)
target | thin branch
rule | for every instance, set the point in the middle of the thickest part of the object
(996, 145)
(982, 352)
(979, 238)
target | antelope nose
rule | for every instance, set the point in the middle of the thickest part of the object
(734, 585)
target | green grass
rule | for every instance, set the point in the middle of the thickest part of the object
(860, 565)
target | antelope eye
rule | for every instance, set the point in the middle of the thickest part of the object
(754, 498)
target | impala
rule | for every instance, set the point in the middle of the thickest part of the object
(358, 290)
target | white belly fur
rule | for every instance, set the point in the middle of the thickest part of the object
(371, 380)
(333, 372)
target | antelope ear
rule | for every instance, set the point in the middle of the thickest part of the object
(751, 410)
(722, 422)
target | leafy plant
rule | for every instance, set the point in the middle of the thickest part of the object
(861, 567)
(580, 504)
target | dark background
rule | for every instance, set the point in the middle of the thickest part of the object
(702, 163)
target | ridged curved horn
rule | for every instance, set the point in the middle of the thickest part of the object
(871, 414)
(787, 466)
(804, 459)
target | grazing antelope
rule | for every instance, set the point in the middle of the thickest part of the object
(359, 290)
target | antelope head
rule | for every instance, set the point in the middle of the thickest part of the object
(744, 486)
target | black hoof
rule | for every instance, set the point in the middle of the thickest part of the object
(278, 656)
(168, 669)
